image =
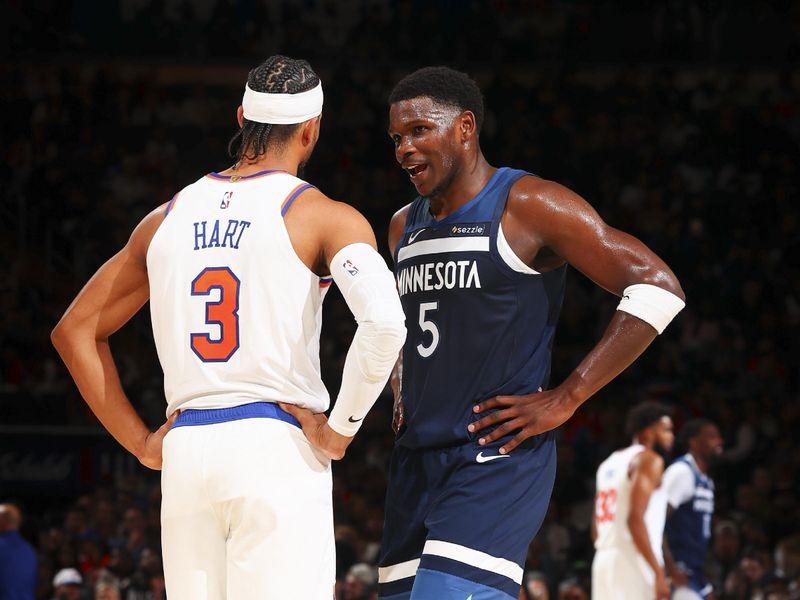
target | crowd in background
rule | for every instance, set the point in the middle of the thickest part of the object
(698, 159)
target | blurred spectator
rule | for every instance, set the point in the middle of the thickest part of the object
(534, 586)
(67, 585)
(18, 560)
(361, 583)
(571, 589)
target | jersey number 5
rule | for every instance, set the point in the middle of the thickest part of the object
(428, 326)
(223, 312)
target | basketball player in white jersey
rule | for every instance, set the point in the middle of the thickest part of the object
(235, 267)
(630, 509)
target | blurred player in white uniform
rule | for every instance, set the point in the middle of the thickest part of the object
(236, 267)
(630, 509)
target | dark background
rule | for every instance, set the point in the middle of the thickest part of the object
(678, 120)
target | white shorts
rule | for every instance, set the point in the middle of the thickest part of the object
(618, 575)
(246, 513)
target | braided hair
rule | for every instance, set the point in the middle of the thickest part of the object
(276, 75)
(444, 85)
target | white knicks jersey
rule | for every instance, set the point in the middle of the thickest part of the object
(236, 314)
(612, 507)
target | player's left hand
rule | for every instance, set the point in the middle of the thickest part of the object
(318, 432)
(151, 455)
(528, 415)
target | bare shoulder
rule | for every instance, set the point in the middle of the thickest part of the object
(399, 218)
(396, 226)
(143, 233)
(534, 197)
(650, 463)
(315, 207)
(330, 217)
(320, 226)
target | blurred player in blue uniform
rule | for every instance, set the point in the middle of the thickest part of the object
(480, 261)
(690, 508)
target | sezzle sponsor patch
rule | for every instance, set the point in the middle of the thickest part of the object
(469, 229)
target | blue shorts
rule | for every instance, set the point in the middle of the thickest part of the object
(459, 520)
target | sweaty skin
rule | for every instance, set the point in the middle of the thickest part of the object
(318, 228)
(546, 225)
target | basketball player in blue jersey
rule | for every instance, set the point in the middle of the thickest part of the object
(235, 268)
(480, 261)
(690, 508)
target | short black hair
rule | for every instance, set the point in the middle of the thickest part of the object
(691, 430)
(643, 415)
(277, 75)
(442, 84)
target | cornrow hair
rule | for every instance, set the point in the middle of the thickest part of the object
(276, 75)
(444, 85)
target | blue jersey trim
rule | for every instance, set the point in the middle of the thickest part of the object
(255, 410)
(396, 590)
(169, 205)
(291, 198)
(454, 568)
(403, 596)
(259, 174)
(445, 586)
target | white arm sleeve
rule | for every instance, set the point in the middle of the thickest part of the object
(678, 483)
(369, 289)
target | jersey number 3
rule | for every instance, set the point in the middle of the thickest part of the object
(223, 312)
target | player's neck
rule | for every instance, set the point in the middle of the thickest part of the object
(265, 162)
(467, 183)
(702, 465)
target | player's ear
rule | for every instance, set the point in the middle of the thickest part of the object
(466, 125)
(310, 131)
(240, 116)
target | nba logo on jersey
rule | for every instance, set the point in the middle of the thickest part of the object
(226, 200)
(350, 268)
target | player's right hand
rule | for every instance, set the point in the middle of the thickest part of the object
(679, 577)
(151, 456)
(398, 415)
(318, 432)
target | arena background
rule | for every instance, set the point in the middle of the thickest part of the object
(678, 120)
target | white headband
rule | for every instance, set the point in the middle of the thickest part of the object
(282, 109)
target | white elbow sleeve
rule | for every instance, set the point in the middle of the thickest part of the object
(369, 289)
(652, 304)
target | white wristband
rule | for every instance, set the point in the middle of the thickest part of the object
(652, 304)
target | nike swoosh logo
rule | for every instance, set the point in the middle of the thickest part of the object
(414, 235)
(352, 420)
(482, 459)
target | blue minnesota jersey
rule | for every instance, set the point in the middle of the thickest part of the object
(688, 528)
(477, 328)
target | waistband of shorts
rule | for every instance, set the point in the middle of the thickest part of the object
(254, 410)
